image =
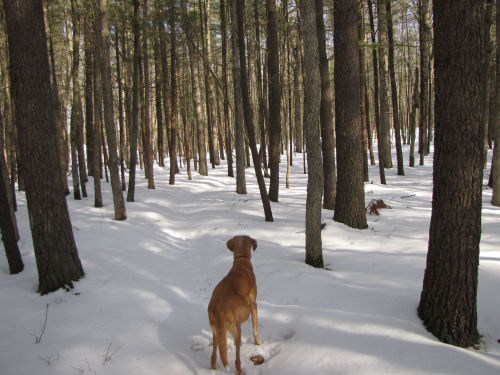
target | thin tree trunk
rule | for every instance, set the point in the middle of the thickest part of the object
(76, 105)
(121, 121)
(202, 151)
(247, 111)
(97, 121)
(273, 71)
(376, 96)
(205, 31)
(488, 54)
(424, 32)
(227, 127)
(239, 126)
(146, 126)
(326, 116)
(413, 119)
(394, 91)
(312, 103)
(158, 98)
(495, 163)
(8, 224)
(107, 94)
(260, 93)
(364, 107)
(89, 89)
(297, 101)
(173, 96)
(384, 135)
(135, 105)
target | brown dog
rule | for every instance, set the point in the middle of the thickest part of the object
(233, 300)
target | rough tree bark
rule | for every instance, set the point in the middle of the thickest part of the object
(350, 203)
(326, 115)
(312, 99)
(109, 123)
(394, 91)
(384, 134)
(239, 126)
(273, 73)
(495, 164)
(448, 303)
(55, 248)
(135, 105)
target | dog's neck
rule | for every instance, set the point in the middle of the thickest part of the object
(242, 256)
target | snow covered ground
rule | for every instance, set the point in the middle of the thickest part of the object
(141, 309)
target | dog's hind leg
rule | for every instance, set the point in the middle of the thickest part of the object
(236, 333)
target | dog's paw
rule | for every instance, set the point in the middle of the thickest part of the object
(258, 341)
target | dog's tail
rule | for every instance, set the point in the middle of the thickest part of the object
(221, 338)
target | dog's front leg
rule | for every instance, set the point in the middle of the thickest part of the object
(253, 310)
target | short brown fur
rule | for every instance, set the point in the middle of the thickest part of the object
(233, 301)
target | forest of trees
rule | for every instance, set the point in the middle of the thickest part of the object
(102, 88)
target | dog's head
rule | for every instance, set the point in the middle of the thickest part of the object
(242, 246)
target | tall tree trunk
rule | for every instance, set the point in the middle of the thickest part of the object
(296, 97)
(201, 130)
(135, 105)
(273, 73)
(247, 111)
(158, 97)
(363, 105)
(350, 203)
(260, 93)
(76, 106)
(227, 127)
(55, 248)
(394, 91)
(183, 109)
(312, 100)
(89, 89)
(109, 123)
(97, 122)
(326, 115)
(147, 146)
(495, 164)
(8, 224)
(121, 122)
(424, 32)
(205, 31)
(413, 119)
(376, 95)
(487, 57)
(384, 135)
(448, 304)
(239, 126)
(173, 95)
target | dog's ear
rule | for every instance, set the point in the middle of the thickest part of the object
(254, 244)
(230, 244)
